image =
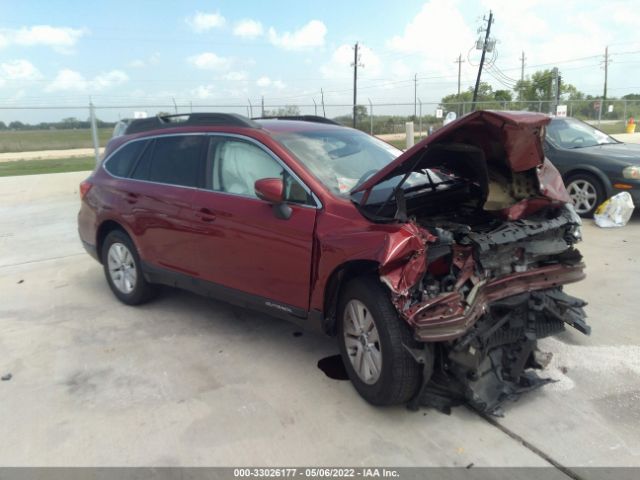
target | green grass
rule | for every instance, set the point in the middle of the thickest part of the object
(35, 140)
(36, 167)
(611, 128)
(402, 143)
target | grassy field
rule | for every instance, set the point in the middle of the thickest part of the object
(611, 128)
(35, 140)
(35, 167)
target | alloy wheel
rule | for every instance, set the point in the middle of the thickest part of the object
(362, 342)
(583, 195)
(122, 268)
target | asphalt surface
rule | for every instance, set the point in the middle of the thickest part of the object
(190, 381)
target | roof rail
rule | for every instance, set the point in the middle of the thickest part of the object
(304, 118)
(189, 119)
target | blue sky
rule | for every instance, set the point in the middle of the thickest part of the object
(225, 52)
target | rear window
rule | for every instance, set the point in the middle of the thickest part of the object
(174, 160)
(121, 163)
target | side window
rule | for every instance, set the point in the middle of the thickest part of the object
(173, 160)
(122, 162)
(237, 165)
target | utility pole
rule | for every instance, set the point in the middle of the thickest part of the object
(606, 71)
(315, 107)
(324, 113)
(459, 62)
(558, 88)
(522, 60)
(262, 108)
(553, 91)
(250, 107)
(485, 44)
(355, 65)
(415, 96)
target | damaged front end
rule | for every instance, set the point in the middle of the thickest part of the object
(497, 245)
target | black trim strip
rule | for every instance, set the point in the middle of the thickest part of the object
(269, 306)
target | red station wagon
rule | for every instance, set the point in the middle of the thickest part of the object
(437, 269)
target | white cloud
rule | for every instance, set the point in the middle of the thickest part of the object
(62, 39)
(236, 76)
(308, 36)
(202, 22)
(70, 80)
(209, 61)
(265, 82)
(19, 70)
(437, 34)
(339, 67)
(109, 79)
(203, 91)
(248, 28)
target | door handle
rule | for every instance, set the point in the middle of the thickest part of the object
(206, 215)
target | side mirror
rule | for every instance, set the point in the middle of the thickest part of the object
(272, 190)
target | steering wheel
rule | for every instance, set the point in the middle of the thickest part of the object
(366, 175)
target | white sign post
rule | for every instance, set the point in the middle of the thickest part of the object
(561, 111)
(439, 113)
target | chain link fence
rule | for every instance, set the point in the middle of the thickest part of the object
(36, 128)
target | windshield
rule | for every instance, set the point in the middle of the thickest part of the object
(572, 133)
(340, 158)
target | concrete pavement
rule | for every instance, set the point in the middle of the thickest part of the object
(186, 380)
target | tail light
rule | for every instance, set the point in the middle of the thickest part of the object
(85, 186)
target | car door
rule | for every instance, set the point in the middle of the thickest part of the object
(160, 195)
(244, 245)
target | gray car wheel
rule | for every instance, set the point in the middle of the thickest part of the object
(123, 269)
(586, 193)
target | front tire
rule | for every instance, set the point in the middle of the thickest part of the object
(371, 338)
(586, 192)
(123, 271)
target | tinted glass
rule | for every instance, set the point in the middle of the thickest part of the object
(120, 164)
(141, 170)
(175, 160)
(572, 133)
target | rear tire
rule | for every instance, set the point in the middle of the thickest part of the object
(384, 373)
(123, 270)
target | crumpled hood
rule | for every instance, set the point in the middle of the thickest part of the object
(518, 134)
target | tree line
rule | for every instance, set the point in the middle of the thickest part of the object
(537, 88)
(70, 123)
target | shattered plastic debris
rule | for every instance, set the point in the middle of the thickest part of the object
(614, 212)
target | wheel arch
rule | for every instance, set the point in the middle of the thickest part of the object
(106, 227)
(340, 276)
(589, 169)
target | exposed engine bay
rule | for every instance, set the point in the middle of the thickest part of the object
(495, 359)
(488, 283)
